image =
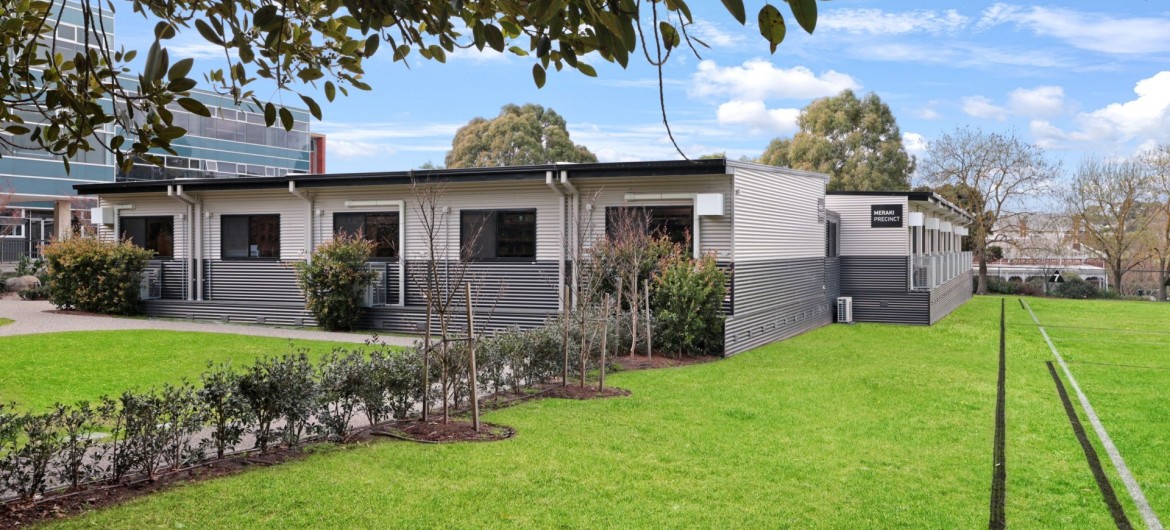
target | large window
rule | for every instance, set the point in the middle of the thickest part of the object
(674, 222)
(832, 240)
(497, 234)
(250, 236)
(151, 233)
(380, 228)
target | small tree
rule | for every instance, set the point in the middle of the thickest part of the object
(333, 281)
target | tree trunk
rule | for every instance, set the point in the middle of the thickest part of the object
(1118, 274)
(426, 404)
(633, 315)
(1163, 265)
(982, 272)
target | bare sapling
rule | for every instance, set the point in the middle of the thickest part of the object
(604, 338)
(471, 358)
(646, 293)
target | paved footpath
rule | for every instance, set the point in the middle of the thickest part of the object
(33, 317)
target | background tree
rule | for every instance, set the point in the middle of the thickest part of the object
(1158, 161)
(1004, 170)
(60, 104)
(855, 141)
(1112, 203)
(519, 136)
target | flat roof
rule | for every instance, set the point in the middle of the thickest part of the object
(717, 166)
(918, 196)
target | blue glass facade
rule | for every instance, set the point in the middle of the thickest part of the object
(232, 143)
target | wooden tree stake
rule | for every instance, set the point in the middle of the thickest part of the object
(471, 358)
(646, 289)
(604, 337)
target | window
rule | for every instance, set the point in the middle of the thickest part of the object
(151, 233)
(12, 227)
(832, 248)
(674, 222)
(380, 228)
(497, 234)
(250, 236)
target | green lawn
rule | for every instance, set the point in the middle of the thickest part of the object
(1120, 355)
(39, 370)
(863, 426)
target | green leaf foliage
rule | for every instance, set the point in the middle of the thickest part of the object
(296, 47)
(333, 281)
(688, 298)
(94, 275)
(856, 142)
(520, 135)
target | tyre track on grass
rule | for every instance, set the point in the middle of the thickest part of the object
(998, 519)
(1131, 484)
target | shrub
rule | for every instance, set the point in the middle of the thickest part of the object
(26, 266)
(281, 388)
(26, 466)
(225, 407)
(1075, 287)
(333, 281)
(342, 377)
(92, 275)
(688, 305)
(76, 464)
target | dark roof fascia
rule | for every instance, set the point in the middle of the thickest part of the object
(598, 170)
(917, 196)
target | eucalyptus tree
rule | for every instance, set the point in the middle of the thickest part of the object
(60, 101)
(520, 135)
(856, 142)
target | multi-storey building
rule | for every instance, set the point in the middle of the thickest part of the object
(233, 142)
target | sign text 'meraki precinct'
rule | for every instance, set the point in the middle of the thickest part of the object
(885, 216)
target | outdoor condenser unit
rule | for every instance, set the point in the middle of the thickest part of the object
(151, 286)
(845, 309)
(375, 294)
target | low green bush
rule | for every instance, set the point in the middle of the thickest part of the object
(1075, 287)
(93, 275)
(687, 300)
(334, 279)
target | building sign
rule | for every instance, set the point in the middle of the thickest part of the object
(885, 216)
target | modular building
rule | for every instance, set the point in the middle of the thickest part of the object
(225, 246)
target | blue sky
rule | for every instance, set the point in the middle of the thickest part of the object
(1078, 78)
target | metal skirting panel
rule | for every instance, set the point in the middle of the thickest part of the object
(861, 275)
(412, 319)
(503, 285)
(950, 296)
(775, 300)
(174, 279)
(239, 312)
(892, 308)
(252, 281)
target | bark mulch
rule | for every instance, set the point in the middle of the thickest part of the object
(586, 392)
(658, 361)
(435, 431)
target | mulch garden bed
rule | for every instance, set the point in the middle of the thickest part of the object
(12, 516)
(435, 431)
(587, 392)
(658, 361)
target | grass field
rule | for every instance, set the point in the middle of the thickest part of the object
(857, 426)
(1120, 355)
(39, 370)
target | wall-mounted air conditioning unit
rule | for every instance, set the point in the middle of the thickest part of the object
(151, 286)
(375, 293)
(845, 309)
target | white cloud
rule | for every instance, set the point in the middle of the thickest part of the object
(759, 79)
(1145, 118)
(757, 117)
(981, 107)
(1088, 31)
(1042, 101)
(344, 149)
(915, 143)
(928, 112)
(369, 139)
(714, 35)
(879, 22)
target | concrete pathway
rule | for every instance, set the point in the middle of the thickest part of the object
(33, 317)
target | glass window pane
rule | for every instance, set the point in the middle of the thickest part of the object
(234, 235)
(477, 234)
(516, 234)
(264, 236)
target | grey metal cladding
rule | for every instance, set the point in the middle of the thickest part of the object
(832, 279)
(412, 319)
(227, 311)
(878, 285)
(866, 274)
(949, 296)
(775, 300)
(174, 279)
(252, 281)
(515, 285)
